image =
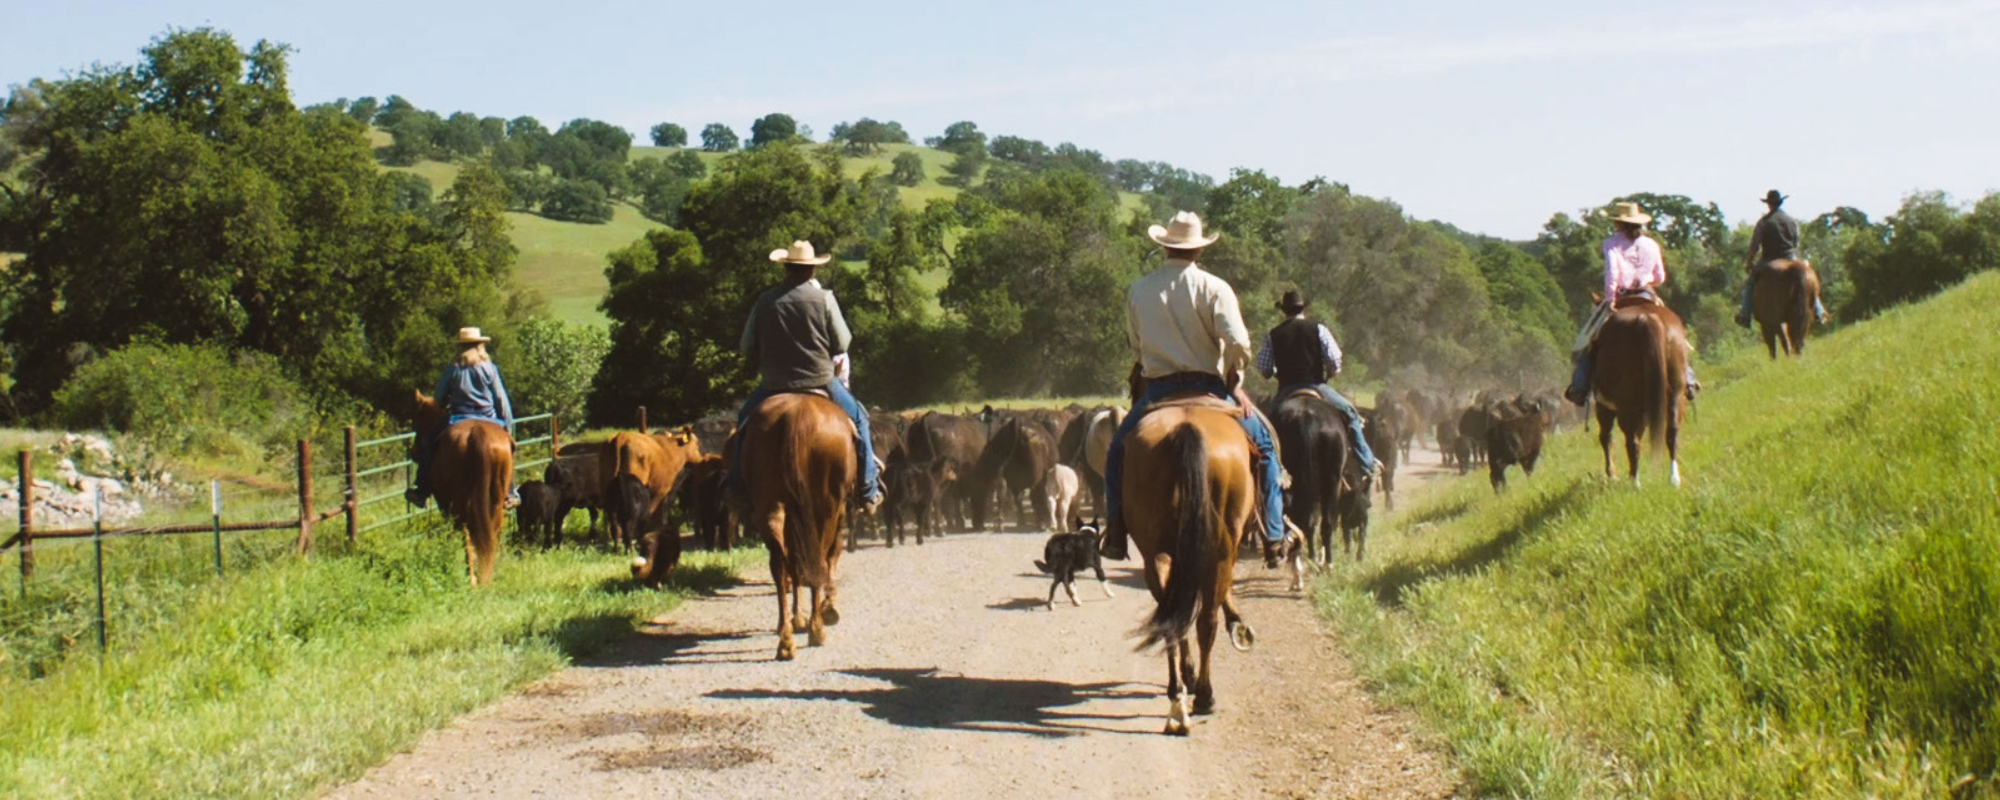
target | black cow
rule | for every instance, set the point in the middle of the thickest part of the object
(914, 493)
(953, 439)
(628, 509)
(1514, 436)
(536, 518)
(575, 478)
(1383, 429)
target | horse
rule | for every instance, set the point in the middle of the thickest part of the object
(1312, 443)
(1782, 302)
(1383, 429)
(799, 465)
(1188, 498)
(470, 468)
(1019, 454)
(1640, 381)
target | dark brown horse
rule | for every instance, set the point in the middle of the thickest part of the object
(1782, 302)
(799, 466)
(1640, 381)
(1188, 488)
(471, 466)
(1015, 461)
(1312, 442)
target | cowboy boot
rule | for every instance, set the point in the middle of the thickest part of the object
(1113, 547)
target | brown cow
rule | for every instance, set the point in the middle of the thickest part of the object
(655, 459)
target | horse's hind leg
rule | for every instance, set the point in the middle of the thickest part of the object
(1177, 712)
(1632, 432)
(786, 649)
(816, 623)
(1604, 424)
(1204, 691)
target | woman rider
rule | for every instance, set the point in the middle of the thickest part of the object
(470, 388)
(1632, 265)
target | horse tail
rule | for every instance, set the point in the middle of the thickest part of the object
(1658, 366)
(808, 551)
(1194, 554)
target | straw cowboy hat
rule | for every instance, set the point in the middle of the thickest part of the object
(801, 252)
(1292, 302)
(1183, 233)
(1773, 198)
(471, 336)
(1629, 212)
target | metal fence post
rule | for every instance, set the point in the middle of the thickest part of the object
(27, 492)
(353, 521)
(305, 497)
(215, 513)
(97, 540)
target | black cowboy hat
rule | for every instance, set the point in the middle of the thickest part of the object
(1292, 302)
(1773, 198)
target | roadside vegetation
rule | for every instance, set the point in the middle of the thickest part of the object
(1812, 615)
(294, 674)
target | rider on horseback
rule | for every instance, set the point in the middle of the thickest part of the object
(1632, 267)
(793, 335)
(1303, 355)
(1188, 332)
(1777, 237)
(470, 388)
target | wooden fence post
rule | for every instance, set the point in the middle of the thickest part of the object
(353, 523)
(27, 492)
(642, 419)
(555, 436)
(305, 497)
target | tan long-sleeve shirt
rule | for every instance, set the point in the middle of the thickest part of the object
(1182, 318)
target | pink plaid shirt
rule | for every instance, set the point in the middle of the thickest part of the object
(1631, 264)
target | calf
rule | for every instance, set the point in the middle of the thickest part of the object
(577, 484)
(1513, 436)
(703, 503)
(1382, 428)
(628, 509)
(536, 518)
(1451, 447)
(1062, 485)
(1068, 553)
(914, 491)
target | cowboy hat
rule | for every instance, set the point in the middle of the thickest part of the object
(471, 336)
(1182, 233)
(1629, 212)
(1773, 198)
(801, 252)
(1292, 302)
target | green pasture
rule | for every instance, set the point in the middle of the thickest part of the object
(1814, 614)
(287, 675)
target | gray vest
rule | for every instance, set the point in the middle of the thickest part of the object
(795, 339)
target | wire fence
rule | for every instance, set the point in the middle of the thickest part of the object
(80, 585)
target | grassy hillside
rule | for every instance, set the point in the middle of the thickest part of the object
(1815, 614)
(565, 260)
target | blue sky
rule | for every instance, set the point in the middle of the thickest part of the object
(1488, 115)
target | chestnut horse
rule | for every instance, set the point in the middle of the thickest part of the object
(1640, 381)
(470, 468)
(1188, 489)
(1782, 302)
(799, 467)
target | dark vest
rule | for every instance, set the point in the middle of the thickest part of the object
(1296, 351)
(795, 343)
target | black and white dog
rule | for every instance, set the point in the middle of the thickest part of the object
(1069, 553)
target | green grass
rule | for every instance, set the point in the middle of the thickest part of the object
(1812, 615)
(291, 675)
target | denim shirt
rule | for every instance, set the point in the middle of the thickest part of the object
(474, 392)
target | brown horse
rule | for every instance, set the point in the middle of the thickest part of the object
(1188, 488)
(799, 466)
(470, 469)
(1640, 381)
(1782, 302)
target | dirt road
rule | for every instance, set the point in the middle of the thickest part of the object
(947, 677)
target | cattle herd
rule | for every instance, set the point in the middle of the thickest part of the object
(1031, 469)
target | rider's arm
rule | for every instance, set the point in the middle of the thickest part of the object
(1267, 361)
(748, 344)
(444, 386)
(1656, 270)
(1610, 273)
(1229, 327)
(501, 405)
(1756, 246)
(842, 337)
(1329, 351)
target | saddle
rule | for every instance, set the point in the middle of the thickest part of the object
(1191, 400)
(1303, 391)
(1636, 297)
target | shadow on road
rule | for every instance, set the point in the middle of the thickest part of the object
(927, 698)
(651, 646)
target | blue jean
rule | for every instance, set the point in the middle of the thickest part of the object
(1354, 428)
(1260, 436)
(836, 391)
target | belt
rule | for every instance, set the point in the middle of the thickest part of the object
(1186, 377)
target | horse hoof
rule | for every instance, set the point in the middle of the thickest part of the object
(816, 638)
(1204, 706)
(1242, 637)
(830, 615)
(787, 651)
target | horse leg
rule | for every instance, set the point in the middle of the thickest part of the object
(780, 578)
(471, 555)
(1674, 449)
(1177, 713)
(1205, 627)
(816, 625)
(799, 623)
(1770, 339)
(1604, 438)
(1632, 431)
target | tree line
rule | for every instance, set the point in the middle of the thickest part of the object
(185, 202)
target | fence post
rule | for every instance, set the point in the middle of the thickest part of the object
(215, 513)
(555, 436)
(305, 497)
(642, 419)
(353, 523)
(97, 539)
(27, 493)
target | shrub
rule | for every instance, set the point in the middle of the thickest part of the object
(578, 201)
(189, 399)
(549, 366)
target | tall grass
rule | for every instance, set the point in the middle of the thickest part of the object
(297, 673)
(1815, 614)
